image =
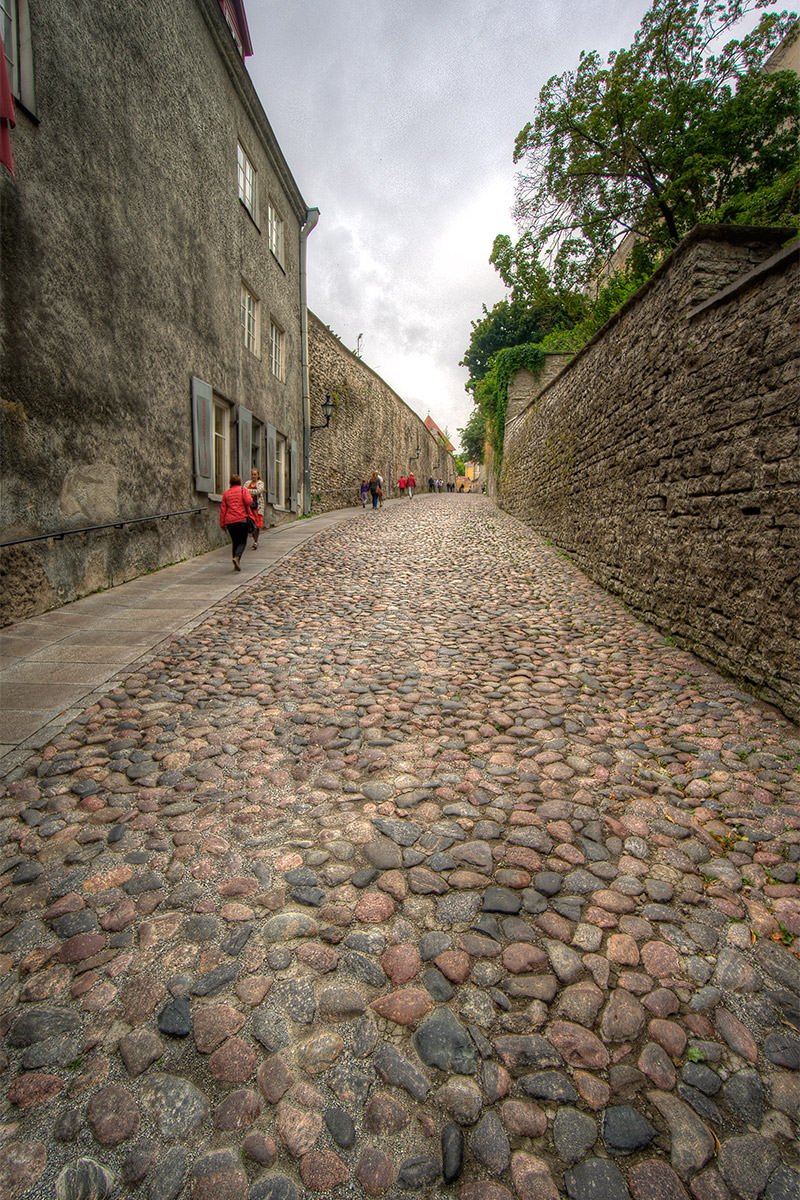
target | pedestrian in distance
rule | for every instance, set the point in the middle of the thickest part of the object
(380, 491)
(374, 488)
(411, 483)
(364, 493)
(235, 515)
(401, 483)
(255, 487)
(431, 484)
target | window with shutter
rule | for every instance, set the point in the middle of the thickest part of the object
(15, 28)
(222, 446)
(270, 464)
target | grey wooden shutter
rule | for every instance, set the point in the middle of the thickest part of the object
(245, 425)
(203, 431)
(293, 464)
(272, 491)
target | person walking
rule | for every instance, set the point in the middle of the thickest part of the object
(411, 483)
(401, 483)
(255, 487)
(234, 513)
(364, 493)
(374, 486)
(431, 483)
(380, 491)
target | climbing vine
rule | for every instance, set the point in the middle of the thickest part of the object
(492, 391)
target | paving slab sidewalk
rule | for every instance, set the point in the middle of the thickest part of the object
(55, 664)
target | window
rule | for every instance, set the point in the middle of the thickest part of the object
(246, 174)
(232, 26)
(222, 447)
(15, 26)
(249, 321)
(8, 28)
(275, 225)
(276, 351)
(257, 447)
(282, 488)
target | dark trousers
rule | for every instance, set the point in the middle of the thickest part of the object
(238, 532)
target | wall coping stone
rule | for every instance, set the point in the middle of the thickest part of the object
(770, 264)
(765, 234)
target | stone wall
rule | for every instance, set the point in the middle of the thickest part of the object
(664, 459)
(525, 386)
(372, 428)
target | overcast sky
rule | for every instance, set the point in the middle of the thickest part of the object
(397, 119)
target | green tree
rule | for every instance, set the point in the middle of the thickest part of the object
(473, 435)
(663, 135)
(515, 322)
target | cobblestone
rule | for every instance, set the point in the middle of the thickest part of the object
(423, 869)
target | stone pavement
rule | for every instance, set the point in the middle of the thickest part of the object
(51, 665)
(420, 868)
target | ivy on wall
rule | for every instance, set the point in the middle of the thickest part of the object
(492, 391)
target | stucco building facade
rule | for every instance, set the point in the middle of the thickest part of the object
(151, 292)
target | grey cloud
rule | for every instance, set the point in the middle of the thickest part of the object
(398, 122)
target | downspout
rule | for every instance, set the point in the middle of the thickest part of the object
(312, 216)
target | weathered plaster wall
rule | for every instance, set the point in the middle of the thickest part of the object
(664, 460)
(371, 428)
(123, 247)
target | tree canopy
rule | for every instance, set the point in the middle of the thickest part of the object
(514, 322)
(663, 135)
(685, 126)
(473, 435)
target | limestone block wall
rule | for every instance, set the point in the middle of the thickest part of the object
(526, 386)
(665, 460)
(372, 428)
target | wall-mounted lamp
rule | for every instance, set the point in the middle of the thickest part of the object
(327, 412)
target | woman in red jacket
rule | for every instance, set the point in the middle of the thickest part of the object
(233, 515)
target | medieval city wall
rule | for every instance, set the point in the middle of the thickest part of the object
(664, 458)
(372, 428)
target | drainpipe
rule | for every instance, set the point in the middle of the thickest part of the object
(312, 216)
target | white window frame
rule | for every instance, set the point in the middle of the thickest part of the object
(277, 350)
(231, 23)
(222, 446)
(250, 320)
(276, 231)
(257, 446)
(281, 470)
(18, 46)
(246, 177)
(8, 16)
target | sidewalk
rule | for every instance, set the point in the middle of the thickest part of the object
(55, 664)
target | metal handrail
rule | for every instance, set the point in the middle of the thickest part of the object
(43, 537)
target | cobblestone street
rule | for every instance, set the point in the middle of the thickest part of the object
(419, 867)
